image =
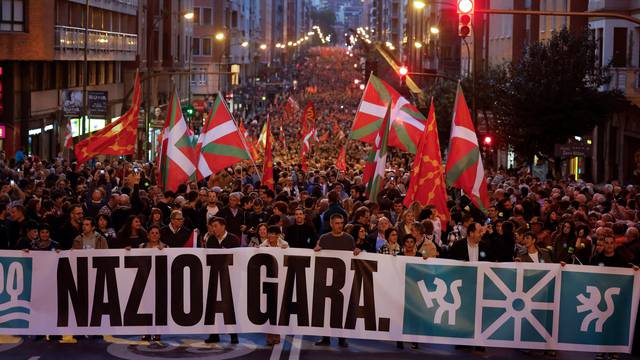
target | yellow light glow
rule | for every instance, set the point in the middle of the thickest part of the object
(189, 15)
(417, 44)
(219, 36)
(434, 30)
(419, 5)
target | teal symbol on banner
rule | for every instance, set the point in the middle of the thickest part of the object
(440, 300)
(517, 305)
(15, 292)
(595, 308)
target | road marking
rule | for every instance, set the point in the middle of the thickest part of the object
(296, 346)
(277, 350)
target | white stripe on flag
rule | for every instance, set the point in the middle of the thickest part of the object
(403, 117)
(464, 133)
(219, 131)
(203, 167)
(479, 177)
(373, 109)
(173, 153)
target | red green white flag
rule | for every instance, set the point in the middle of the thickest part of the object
(464, 162)
(177, 153)
(221, 143)
(407, 123)
(379, 163)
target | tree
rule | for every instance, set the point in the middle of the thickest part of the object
(552, 94)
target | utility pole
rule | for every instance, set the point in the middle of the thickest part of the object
(85, 71)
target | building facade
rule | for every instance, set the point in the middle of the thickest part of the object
(43, 68)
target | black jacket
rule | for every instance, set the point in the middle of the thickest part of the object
(459, 251)
(301, 236)
(172, 239)
(230, 241)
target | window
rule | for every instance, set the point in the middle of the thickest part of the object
(195, 46)
(206, 46)
(199, 76)
(12, 15)
(206, 16)
(196, 15)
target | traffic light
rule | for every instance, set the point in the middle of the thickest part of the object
(188, 110)
(465, 15)
(403, 71)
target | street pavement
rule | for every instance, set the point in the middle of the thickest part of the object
(251, 347)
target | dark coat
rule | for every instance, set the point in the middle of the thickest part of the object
(172, 239)
(459, 251)
(229, 242)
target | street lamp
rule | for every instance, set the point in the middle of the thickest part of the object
(244, 44)
(189, 15)
(419, 4)
(263, 47)
(417, 45)
(219, 36)
(434, 30)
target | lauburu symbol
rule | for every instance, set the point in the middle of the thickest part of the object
(591, 303)
(438, 296)
(13, 309)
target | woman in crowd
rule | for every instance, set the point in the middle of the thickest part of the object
(105, 229)
(390, 246)
(359, 234)
(132, 234)
(155, 218)
(261, 235)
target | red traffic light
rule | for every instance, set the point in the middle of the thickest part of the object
(403, 71)
(488, 140)
(465, 6)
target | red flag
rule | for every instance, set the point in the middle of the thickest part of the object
(427, 185)
(324, 137)
(192, 242)
(117, 138)
(308, 118)
(267, 167)
(464, 162)
(341, 163)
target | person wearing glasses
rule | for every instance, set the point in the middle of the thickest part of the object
(175, 234)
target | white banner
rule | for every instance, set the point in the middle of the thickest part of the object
(332, 293)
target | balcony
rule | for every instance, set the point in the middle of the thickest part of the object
(102, 45)
(613, 5)
(626, 80)
(123, 6)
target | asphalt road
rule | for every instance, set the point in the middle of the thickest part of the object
(252, 347)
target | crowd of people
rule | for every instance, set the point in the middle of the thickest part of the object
(117, 204)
